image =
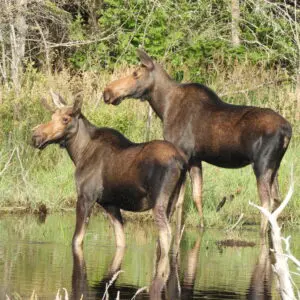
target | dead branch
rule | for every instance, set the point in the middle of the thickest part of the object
(281, 267)
(236, 223)
(7, 163)
(140, 290)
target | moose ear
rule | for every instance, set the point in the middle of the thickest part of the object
(77, 106)
(145, 59)
(57, 99)
(47, 105)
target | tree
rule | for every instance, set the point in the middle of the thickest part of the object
(273, 27)
(235, 17)
(28, 29)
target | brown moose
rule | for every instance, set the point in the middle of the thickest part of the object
(207, 129)
(114, 172)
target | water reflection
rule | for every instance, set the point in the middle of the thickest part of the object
(165, 283)
(38, 257)
(80, 285)
(261, 280)
(190, 274)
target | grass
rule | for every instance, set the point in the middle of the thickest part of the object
(29, 177)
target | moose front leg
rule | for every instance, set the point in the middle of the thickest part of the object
(196, 178)
(83, 211)
(179, 206)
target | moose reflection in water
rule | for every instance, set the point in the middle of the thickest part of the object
(207, 129)
(34, 254)
(80, 285)
(164, 285)
(167, 283)
(114, 172)
(262, 276)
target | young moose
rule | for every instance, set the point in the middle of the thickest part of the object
(207, 129)
(114, 172)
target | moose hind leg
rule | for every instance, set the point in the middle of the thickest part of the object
(179, 206)
(266, 164)
(275, 193)
(164, 229)
(264, 192)
(116, 220)
(165, 187)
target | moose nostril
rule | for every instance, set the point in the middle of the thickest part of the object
(35, 137)
(36, 140)
(106, 96)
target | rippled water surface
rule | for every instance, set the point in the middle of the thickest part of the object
(37, 256)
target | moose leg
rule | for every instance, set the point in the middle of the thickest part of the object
(162, 223)
(165, 191)
(179, 205)
(117, 260)
(117, 222)
(162, 271)
(196, 178)
(79, 276)
(264, 192)
(275, 193)
(83, 211)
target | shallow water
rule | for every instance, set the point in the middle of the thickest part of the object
(37, 256)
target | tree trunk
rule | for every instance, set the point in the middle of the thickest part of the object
(298, 95)
(3, 57)
(235, 17)
(18, 30)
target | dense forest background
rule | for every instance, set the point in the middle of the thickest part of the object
(247, 51)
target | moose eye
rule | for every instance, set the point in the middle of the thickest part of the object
(65, 120)
(135, 74)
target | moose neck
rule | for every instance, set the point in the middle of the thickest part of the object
(78, 145)
(158, 97)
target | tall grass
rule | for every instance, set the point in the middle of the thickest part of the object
(29, 177)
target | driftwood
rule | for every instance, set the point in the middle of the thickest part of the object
(281, 268)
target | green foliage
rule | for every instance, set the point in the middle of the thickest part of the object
(77, 31)
(185, 33)
(192, 36)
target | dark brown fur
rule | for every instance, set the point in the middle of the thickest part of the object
(114, 172)
(207, 129)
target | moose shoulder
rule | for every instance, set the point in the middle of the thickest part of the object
(114, 172)
(207, 129)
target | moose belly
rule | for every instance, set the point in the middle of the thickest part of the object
(128, 198)
(135, 205)
(225, 159)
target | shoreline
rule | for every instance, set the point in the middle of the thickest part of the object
(130, 217)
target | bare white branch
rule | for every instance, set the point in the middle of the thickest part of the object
(281, 267)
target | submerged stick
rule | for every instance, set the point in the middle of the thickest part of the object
(113, 279)
(236, 223)
(140, 290)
